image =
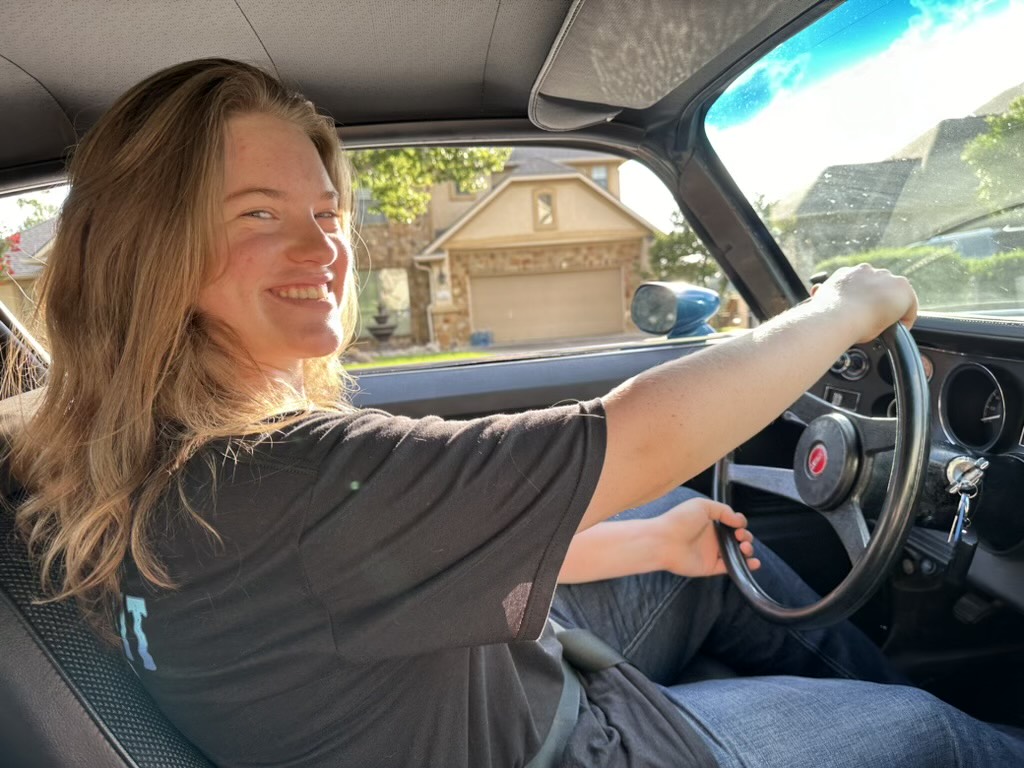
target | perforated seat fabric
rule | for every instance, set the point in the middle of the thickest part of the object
(66, 699)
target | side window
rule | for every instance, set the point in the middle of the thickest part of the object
(538, 261)
(535, 261)
(27, 226)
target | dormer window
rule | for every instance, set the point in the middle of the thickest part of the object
(544, 209)
(599, 174)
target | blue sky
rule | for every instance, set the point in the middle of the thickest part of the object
(853, 32)
(860, 84)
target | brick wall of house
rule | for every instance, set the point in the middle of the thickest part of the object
(452, 326)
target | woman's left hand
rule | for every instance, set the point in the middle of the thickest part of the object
(690, 546)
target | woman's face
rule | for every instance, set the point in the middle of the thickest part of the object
(282, 254)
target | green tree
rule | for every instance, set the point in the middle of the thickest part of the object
(681, 255)
(997, 156)
(37, 212)
(399, 180)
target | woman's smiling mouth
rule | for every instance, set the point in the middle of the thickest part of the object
(302, 292)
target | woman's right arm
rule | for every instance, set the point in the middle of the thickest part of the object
(668, 424)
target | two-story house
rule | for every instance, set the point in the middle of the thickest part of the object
(546, 252)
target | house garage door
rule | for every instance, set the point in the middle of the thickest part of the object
(548, 306)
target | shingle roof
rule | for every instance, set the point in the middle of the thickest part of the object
(538, 166)
(24, 256)
(946, 137)
(860, 187)
(557, 155)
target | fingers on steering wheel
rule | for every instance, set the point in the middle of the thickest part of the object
(744, 534)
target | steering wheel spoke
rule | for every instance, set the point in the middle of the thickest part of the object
(779, 481)
(877, 435)
(847, 520)
(808, 408)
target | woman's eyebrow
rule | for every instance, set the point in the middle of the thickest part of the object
(276, 194)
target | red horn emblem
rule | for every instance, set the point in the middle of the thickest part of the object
(817, 459)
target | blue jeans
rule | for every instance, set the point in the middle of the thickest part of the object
(810, 699)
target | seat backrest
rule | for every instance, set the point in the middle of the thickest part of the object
(65, 697)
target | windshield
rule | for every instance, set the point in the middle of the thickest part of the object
(892, 133)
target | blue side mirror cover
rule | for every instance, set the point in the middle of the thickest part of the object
(677, 309)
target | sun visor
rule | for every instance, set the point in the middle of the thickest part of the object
(612, 55)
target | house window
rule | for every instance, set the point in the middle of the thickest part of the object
(544, 209)
(599, 173)
(384, 301)
(364, 202)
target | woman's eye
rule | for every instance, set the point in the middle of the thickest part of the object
(327, 215)
(258, 214)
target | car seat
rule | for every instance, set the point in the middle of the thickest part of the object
(66, 699)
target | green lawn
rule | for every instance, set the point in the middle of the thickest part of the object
(440, 357)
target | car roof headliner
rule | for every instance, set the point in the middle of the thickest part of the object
(372, 63)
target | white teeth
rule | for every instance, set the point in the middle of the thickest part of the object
(308, 292)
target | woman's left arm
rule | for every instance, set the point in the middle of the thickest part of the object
(682, 540)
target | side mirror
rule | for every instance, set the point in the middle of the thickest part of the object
(678, 309)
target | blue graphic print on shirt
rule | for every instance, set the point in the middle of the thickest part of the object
(136, 606)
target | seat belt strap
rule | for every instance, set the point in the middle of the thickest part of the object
(586, 651)
(581, 650)
(566, 714)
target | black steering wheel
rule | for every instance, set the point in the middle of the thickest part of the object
(838, 458)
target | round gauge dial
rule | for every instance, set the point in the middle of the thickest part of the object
(974, 407)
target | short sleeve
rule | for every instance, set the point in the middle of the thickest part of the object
(425, 534)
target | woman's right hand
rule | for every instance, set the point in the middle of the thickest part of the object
(873, 299)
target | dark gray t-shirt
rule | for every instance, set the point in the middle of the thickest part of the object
(373, 578)
(376, 596)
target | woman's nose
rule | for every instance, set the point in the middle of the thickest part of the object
(312, 244)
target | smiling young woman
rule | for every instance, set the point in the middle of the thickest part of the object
(202, 191)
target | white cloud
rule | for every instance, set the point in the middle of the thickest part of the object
(939, 69)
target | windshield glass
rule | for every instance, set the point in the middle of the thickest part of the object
(892, 133)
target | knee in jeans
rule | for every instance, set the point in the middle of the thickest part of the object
(924, 710)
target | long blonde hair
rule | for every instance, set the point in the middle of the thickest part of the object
(139, 379)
